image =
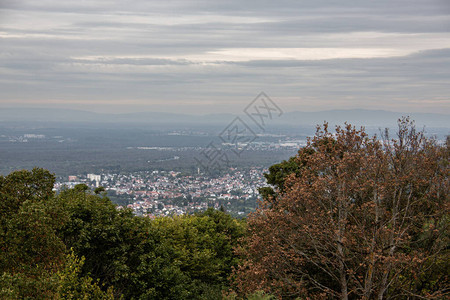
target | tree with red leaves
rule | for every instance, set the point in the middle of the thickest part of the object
(361, 218)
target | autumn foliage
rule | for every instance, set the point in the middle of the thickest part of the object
(361, 218)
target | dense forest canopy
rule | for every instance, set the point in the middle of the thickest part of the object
(79, 245)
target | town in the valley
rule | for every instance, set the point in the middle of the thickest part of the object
(164, 193)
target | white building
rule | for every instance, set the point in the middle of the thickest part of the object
(96, 178)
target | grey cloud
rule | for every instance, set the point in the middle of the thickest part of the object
(38, 62)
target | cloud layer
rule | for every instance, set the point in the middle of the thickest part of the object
(215, 56)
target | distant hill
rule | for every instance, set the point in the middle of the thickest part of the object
(364, 117)
(354, 116)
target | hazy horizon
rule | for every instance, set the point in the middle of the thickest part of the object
(357, 117)
(194, 113)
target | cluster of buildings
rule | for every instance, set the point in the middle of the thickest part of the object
(162, 193)
(21, 138)
(30, 137)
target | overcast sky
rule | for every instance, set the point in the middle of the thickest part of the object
(216, 56)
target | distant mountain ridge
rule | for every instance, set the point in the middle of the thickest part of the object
(365, 117)
(353, 116)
